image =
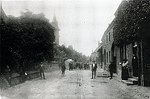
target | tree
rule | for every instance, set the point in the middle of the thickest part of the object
(27, 40)
(70, 53)
(132, 21)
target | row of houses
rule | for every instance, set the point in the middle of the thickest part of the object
(137, 53)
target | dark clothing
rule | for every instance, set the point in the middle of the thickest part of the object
(93, 74)
(135, 66)
(8, 75)
(63, 68)
(42, 72)
(70, 66)
(22, 74)
(125, 74)
(111, 69)
(94, 68)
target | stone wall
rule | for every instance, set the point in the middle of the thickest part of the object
(17, 79)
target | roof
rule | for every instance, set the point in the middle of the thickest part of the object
(124, 2)
(108, 29)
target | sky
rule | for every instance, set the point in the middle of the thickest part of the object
(81, 22)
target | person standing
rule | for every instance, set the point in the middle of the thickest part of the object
(135, 66)
(8, 71)
(125, 74)
(63, 67)
(42, 71)
(111, 69)
(94, 68)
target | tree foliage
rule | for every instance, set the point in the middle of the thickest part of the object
(28, 39)
(70, 53)
(132, 21)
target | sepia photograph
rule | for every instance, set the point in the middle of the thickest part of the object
(74, 49)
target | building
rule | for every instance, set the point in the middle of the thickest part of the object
(107, 47)
(124, 50)
(95, 55)
(54, 23)
(109, 52)
(136, 52)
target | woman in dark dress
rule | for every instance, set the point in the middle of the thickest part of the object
(125, 73)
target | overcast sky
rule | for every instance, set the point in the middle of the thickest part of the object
(82, 22)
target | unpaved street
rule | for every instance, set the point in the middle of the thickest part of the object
(75, 84)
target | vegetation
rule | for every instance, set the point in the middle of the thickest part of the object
(26, 40)
(132, 22)
(70, 53)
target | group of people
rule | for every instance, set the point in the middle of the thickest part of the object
(124, 66)
(93, 68)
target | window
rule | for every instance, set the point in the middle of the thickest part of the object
(109, 36)
(109, 56)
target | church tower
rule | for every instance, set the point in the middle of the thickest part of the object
(56, 31)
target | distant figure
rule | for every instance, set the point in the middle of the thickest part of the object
(8, 71)
(70, 66)
(63, 67)
(80, 66)
(42, 71)
(125, 74)
(94, 68)
(111, 69)
(88, 66)
(85, 66)
(22, 74)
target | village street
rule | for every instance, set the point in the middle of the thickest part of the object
(75, 84)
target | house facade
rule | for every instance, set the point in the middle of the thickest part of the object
(95, 56)
(106, 50)
(136, 52)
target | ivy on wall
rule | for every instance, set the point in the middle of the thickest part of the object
(132, 22)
